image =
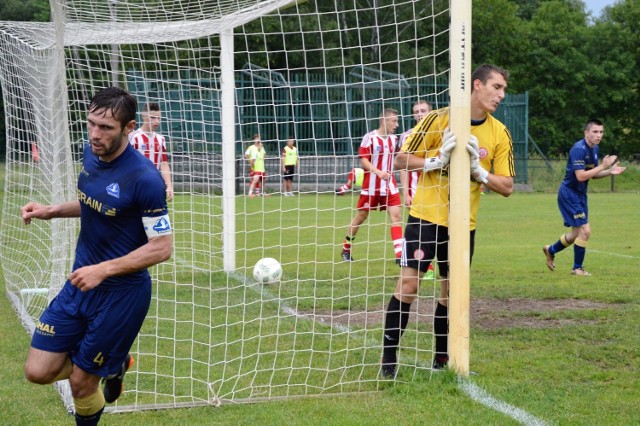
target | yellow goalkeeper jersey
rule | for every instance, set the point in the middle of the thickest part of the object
(431, 201)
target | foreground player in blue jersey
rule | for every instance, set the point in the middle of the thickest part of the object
(582, 165)
(86, 332)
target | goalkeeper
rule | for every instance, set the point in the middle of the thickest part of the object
(428, 148)
(87, 330)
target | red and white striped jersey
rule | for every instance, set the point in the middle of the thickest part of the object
(414, 176)
(380, 151)
(151, 145)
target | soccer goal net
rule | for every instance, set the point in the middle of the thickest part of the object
(320, 72)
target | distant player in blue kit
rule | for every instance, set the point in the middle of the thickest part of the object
(582, 165)
(85, 333)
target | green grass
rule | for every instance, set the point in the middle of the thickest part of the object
(582, 371)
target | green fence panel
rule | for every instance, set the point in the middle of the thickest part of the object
(326, 117)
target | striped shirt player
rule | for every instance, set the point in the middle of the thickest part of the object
(411, 186)
(87, 330)
(152, 144)
(428, 148)
(409, 179)
(379, 189)
(582, 165)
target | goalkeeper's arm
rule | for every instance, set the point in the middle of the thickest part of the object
(408, 161)
(503, 185)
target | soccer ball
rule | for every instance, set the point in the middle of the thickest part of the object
(267, 270)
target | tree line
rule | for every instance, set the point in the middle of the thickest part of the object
(573, 65)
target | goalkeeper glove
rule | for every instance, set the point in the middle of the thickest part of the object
(444, 155)
(478, 173)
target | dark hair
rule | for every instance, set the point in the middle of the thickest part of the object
(117, 101)
(151, 106)
(484, 71)
(591, 122)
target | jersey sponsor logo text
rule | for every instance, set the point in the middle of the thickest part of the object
(96, 205)
(45, 329)
(580, 216)
(113, 189)
(91, 202)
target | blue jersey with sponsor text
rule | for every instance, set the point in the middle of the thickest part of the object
(581, 157)
(114, 197)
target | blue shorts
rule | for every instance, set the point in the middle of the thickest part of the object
(573, 207)
(96, 328)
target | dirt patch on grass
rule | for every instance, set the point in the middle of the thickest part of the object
(485, 313)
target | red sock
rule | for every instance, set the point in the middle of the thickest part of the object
(398, 241)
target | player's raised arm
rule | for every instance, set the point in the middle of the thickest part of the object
(610, 166)
(35, 210)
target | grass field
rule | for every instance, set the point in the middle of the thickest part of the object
(563, 349)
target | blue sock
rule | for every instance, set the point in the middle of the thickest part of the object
(559, 245)
(579, 251)
(91, 420)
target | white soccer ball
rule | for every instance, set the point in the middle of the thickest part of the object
(267, 270)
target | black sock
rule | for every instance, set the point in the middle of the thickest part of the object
(395, 323)
(441, 329)
(91, 420)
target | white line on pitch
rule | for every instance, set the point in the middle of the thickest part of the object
(480, 395)
(625, 256)
(473, 391)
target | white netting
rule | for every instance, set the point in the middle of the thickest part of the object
(320, 72)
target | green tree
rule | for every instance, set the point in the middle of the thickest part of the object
(615, 47)
(25, 10)
(558, 74)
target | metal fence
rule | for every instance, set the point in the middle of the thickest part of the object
(203, 173)
(326, 117)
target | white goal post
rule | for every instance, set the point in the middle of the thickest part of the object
(320, 72)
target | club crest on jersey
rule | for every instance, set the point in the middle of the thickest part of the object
(113, 189)
(162, 226)
(483, 152)
(418, 254)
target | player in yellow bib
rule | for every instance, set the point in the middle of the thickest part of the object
(248, 154)
(428, 148)
(257, 168)
(290, 161)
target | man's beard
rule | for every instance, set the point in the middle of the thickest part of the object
(115, 146)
